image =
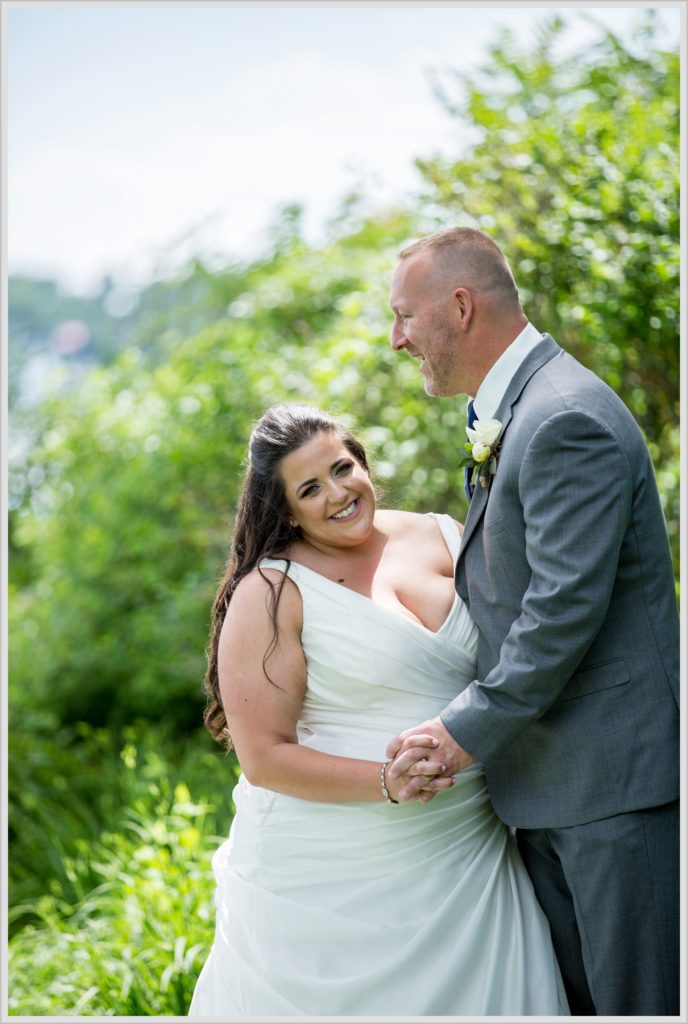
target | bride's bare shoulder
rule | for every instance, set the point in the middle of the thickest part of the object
(397, 519)
(399, 523)
(253, 594)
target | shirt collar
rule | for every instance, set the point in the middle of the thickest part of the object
(493, 388)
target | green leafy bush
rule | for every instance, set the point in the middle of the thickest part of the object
(128, 917)
(67, 789)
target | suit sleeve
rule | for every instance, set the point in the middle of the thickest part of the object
(575, 488)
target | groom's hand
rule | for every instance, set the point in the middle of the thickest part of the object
(415, 744)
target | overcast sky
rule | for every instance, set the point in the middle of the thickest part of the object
(139, 135)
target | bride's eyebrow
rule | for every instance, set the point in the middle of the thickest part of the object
(306, 483)
(314, 479)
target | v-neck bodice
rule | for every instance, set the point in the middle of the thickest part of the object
(373, 671)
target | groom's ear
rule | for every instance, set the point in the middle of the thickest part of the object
(464, 306)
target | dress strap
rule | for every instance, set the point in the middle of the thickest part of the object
(450, 532)
(281, 565)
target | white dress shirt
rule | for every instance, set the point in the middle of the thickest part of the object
(493, 388)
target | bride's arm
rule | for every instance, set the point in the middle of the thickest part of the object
(262, 713)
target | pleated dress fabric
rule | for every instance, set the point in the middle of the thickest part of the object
(369, 908)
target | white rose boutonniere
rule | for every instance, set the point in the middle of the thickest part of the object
(482, 450)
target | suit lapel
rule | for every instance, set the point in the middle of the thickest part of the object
(541, 354)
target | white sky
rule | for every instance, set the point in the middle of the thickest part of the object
(138, 135)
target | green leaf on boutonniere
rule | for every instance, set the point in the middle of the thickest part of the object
(482, 450)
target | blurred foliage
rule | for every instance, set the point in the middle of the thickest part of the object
(123, 480)
(74, 783)
(38, 310)
(127, 920)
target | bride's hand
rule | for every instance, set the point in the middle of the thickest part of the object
(416, 767)
(411, 746)
(413, 771)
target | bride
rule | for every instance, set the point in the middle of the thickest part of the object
(335, 627)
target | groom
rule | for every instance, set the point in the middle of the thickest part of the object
(565, 567)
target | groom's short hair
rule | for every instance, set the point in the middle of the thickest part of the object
(461, 250)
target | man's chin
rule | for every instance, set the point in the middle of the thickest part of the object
(430, 388)
(437, 391)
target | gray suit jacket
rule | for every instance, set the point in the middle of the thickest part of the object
(565, 566)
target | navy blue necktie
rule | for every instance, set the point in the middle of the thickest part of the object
(468, 472)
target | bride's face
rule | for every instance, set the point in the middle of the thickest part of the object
(329, 494)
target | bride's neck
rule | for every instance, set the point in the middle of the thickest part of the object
(356, 556)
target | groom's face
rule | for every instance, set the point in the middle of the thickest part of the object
(423, 308)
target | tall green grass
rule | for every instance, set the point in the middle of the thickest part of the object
(122, 919)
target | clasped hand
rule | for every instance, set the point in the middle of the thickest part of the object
(425, 760)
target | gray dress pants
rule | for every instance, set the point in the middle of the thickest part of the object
(611, 892)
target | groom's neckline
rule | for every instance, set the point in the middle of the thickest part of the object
(497, 379)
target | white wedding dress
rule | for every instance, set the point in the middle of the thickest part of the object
(361, 909)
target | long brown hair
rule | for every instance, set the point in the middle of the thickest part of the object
(262, 528)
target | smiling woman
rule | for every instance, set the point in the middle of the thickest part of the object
(337, 493)
(337, 625)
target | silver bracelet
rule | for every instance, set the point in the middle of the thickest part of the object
(383, 784)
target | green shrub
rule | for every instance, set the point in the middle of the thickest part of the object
(126, 919)
(69, 787)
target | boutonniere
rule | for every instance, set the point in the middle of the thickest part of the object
(482, 446)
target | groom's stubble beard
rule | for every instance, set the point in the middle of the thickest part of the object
(444, 379)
